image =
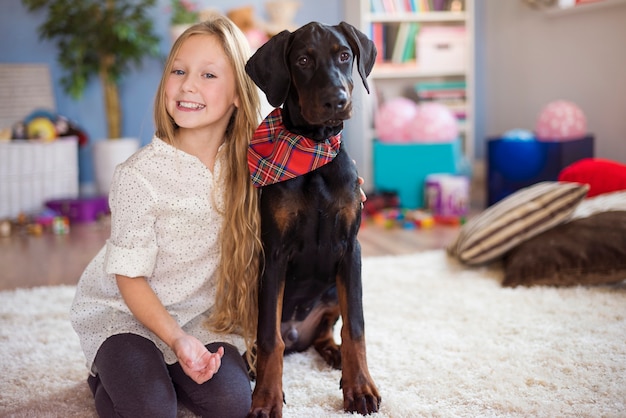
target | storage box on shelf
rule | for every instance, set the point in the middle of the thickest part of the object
(403, 167)
(443, 53)
(32, 172)
(442, 48)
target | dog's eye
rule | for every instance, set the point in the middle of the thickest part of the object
(344, 56)
(303, 60)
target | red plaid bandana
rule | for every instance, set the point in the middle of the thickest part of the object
(276, 155)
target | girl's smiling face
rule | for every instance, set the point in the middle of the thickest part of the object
(200, 89)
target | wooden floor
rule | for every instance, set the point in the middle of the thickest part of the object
(27, 261)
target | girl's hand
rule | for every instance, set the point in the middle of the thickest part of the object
(363, 196)
(361, 181)
(197, 362)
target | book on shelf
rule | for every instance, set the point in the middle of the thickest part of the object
(411, 43)
(441, 5)
(412, 6)
(376, 6)
(378, 37)
(389, 6)
(402, 38)
(451, 93)
(395, 42)
(440, 86)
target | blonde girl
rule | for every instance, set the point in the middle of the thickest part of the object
(168, 306)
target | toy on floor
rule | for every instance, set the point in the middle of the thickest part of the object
(390, 218)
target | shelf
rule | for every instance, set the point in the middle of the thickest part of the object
(582, 8)
(394, 79)
(463, 129)
(408, 70)
(416, 17)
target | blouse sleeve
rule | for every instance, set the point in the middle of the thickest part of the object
(132, 248)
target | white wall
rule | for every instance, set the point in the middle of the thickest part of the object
(531, 58)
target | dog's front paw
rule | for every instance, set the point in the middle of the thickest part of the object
(363, 398)
(265, 413)
(267, 405)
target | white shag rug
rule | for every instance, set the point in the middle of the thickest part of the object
(442, 340)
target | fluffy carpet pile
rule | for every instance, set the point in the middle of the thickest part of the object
(443, 341)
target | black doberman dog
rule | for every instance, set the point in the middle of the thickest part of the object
(309, 224)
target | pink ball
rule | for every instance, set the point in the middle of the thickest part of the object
(433, 122)
(392, 117)
(561, 121)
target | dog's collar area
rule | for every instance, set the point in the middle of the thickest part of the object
(276, 155)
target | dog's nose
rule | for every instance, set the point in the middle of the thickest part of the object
(338, 102)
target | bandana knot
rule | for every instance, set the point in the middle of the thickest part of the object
(276, 155)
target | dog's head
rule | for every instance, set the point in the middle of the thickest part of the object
(311, 69)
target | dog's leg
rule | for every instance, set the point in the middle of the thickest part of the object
(325, 343)
(359, 391)
(267, 398)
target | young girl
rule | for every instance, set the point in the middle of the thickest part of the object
(183, 247)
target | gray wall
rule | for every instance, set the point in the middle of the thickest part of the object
(524, 59)
(531, 58)
(19, 43)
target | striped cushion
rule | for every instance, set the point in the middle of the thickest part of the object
(516, 218)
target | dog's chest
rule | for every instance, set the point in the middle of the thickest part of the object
(315, 213)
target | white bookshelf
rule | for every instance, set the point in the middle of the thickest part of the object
(389, 80)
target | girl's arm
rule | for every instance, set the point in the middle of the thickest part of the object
(197, 362)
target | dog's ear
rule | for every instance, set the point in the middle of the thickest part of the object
(363, 48)
(268, 68)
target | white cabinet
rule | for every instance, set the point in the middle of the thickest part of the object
(394, 76)
(32, 172)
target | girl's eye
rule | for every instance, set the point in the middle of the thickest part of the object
(209, 75)
(178, 72)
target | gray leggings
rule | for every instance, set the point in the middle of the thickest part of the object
(134, 381)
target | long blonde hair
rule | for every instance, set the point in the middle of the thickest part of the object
(236, 303)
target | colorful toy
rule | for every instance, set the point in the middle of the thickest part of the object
(561, 120)
(60, 225)
(47, 126)
(390, 218)
(447, 195)
(433, 122)
(392, 118)
(449, 220)
(41, 128)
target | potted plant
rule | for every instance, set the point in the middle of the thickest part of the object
(184, 14)
(103, 39)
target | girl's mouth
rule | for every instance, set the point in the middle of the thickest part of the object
(190, 105)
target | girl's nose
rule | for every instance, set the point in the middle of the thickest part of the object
(188, 84)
